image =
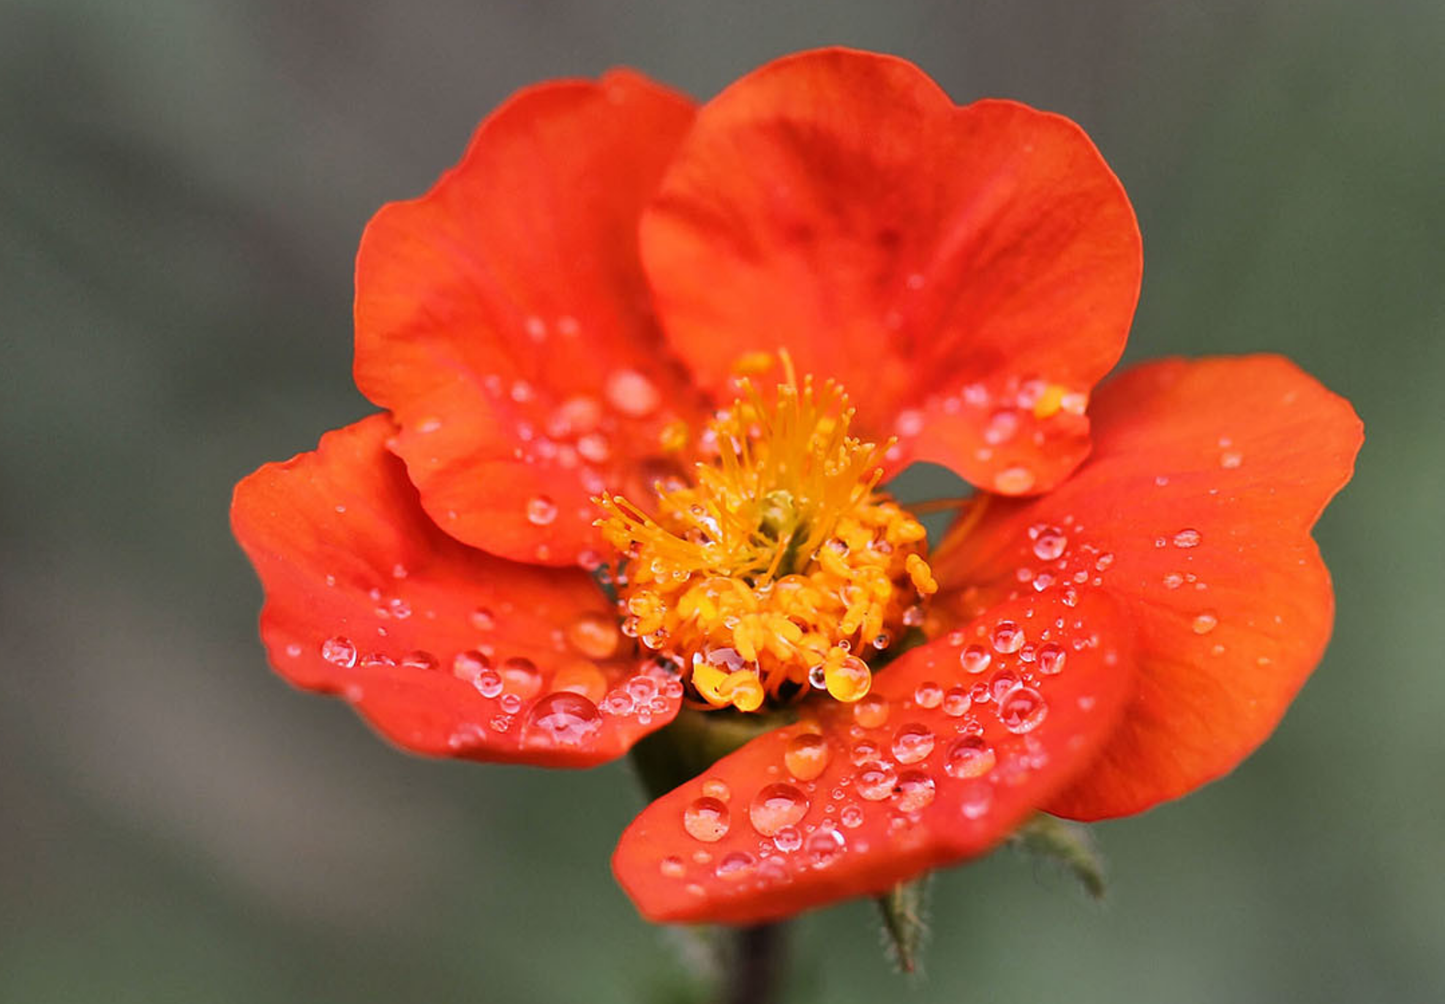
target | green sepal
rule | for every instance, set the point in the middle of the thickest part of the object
(1068, 844)
(904, 909)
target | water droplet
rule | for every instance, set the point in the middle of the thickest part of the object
(863, 751)
(419, 660)
(776, 806)
(672, 866)
(957, 702)
(541, 510)
(520, 676)
(806, 756)
(1002, 682)
(594, 635)
(564, 719)
(875, 781)
(929, 695)
(1051, 659)
(1173, 580)
(915, 790)
(482, 619)
(706, 819)
(909, 423)
(1205, 623)
(594, 447)
(717, 788)
(1050, 544)
(825, 847)
(871, 711)
(488, 683)
(734, 865)
(851, 816)
(632, 393)
(974, 658)
(969, 756)
(1187, 538)
(912, 743)
(1007, 637)
(1022, 709)
(1013, 480)
(581, 678)
(788, 839)
(1230, 460)
(974, 800)
(849, 679)
(339, 651)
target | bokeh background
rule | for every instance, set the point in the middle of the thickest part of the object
(182, 184)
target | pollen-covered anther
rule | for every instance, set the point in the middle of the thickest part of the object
(781, 566)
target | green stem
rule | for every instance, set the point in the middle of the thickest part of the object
(755, 973)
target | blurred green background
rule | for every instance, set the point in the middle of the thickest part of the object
(182, 185)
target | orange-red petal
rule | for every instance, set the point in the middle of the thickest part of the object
(504, 320)
(922, 772)
(1194, 513)
(967, 272)
(446, 650)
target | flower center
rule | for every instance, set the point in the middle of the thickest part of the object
(781, 562)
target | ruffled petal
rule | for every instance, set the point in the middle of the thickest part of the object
(504, 320)
(1194, 513)
(446, 650)
(967, 273)
(958, 743)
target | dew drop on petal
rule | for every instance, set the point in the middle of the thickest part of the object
(672, 866)
(912, 743)
(776, 806)
(871, 711)
(594, 635)
(928, 695)
(717, 788)
(974, 658)
(1022, 709)
(541, 510)
(1187, 538)
(957, 702)
(521, 676)
(735, 866)
(1013, 480)
(339, 651)
(564, 719)
(969, 756)
(875, 781)
(825, 846)
(975, 800)
(706, 819)
(1008, 637)
(1205, 622)
(1050, 659)
(482, 619)
(469, 665)
(488, 683)
(419, 660)
(806, 756)
(788, 839)
(915, 790)
(632, 393)
(1050, 544)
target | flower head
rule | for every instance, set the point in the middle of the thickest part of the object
(647, 370)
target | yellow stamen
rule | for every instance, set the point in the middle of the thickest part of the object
(781, 562)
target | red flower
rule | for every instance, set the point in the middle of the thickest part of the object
(1120, 615)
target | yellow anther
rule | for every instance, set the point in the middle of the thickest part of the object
(779, 557)
(753, 363)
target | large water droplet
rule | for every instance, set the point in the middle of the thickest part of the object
(915, 790)
(469, 665)
(929, 695)
(521, 676)
(806, 756)
(825, 847)
(912, 743)
(706, 819)
(1022, 709)
(632, 393)
(1187, 538)
(957, 702)
(1051, 659)
(871, 711)
(339, 651)
(969, 756)
(734, 866)
(875, 781)
(594, 635)
(564, 719)
(974, 658)
(776, 806)
(1008, 637)
(541, 510)
(1050, 543)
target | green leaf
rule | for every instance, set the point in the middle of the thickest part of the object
(1068, 844)
(905, 921)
